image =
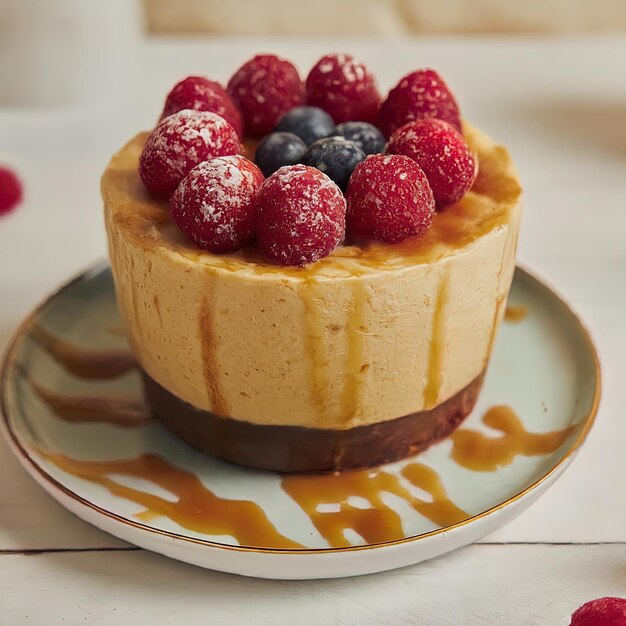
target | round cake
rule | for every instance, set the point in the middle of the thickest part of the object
(365, 356)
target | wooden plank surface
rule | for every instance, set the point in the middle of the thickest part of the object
(520, 585)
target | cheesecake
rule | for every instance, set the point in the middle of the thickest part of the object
(364, 356)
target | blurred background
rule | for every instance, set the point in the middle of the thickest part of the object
(384, 17)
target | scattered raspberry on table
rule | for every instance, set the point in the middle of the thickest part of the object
(10, 190)
(607, 611)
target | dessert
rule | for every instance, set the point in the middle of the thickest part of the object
(357, 327)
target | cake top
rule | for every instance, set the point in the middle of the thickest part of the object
(345, 184)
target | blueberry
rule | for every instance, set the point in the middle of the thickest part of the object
(364, 135)
(336, 157)
(278, 149)
(309, 123)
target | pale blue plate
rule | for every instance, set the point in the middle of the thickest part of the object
(544, 367)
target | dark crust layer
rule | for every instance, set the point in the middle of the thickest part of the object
(289, 449)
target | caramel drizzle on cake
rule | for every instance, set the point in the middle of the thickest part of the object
(355, 336)
(435, 361)
(482, 209)
(481, 453)
(315, 338)
(209, 340)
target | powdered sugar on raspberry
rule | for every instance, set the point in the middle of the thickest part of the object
(265, 88)
(441, 151)
(419, 95)
(181, 141)
(215, 204)
(343, 87)
(389, 199)
(201, 94)
(300, 215)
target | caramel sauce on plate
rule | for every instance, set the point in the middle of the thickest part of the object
(89, 363)
(481, 453)
(123, 412)
(377, 523)
(117, 330)
(515, 314)
(194, 506)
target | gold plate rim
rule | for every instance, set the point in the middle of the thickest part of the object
(24, 456)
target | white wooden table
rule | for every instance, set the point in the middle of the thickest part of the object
(560, 106)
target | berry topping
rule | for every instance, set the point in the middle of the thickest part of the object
(265, 88)
(343, 87)
(214, 204)
(10, 190)
(309, 123)
(180, 142)
(201, 94)
(389, 199)
(300, 215)
(364, 135)
(418, 95)
(336, 157)
(601, 612)
(440, 150)
(278, 149)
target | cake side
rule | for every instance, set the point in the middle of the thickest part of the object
(366, 335)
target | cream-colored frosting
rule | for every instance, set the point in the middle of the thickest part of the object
(371, 333)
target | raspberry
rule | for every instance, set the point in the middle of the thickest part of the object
(214, 204)
(418, 95)
(601, 612)
(10, 190)
(301, 215)
(343, 87)
(180, 142)
(201, 94)
(440, 150)
(265, 88)
(389, 199)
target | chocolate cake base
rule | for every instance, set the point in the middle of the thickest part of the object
(290, 449)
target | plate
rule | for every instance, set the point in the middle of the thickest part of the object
(73, 414)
